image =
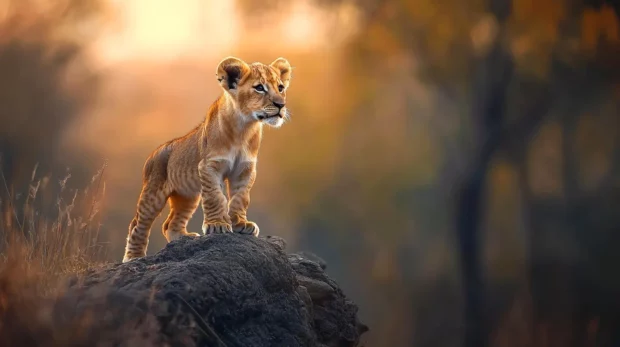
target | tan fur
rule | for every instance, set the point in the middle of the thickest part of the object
(222, 149)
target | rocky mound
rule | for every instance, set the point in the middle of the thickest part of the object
(220, 290)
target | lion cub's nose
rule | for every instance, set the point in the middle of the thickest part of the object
(278, 105)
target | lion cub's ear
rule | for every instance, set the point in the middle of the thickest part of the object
(285, 69)
(230, 71)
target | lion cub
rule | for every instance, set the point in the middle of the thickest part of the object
(194, 168)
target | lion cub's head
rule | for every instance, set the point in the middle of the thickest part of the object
(258, 90)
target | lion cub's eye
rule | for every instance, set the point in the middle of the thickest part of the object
(280, 88)
(259, 88)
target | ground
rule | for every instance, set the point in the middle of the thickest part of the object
(218, 290)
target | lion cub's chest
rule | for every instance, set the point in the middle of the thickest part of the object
(237, 159)
(233, 163)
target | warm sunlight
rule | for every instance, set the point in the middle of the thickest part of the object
(162, 29)
(159, 30)
(302, 25)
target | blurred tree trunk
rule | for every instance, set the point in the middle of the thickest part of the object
(491, 81)
(566, 298)
(573, 224)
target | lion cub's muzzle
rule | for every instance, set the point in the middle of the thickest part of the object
(270, 111)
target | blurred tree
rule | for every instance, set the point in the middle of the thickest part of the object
(530, 48)
(45, 83)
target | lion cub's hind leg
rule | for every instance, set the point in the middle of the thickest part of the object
(181, 211)
(150, 204)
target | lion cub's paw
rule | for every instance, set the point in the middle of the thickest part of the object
(247, 228)
(216, 228)
(127, 259)
(175, 236)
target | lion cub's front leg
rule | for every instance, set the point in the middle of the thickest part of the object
(240, 185)
(214, 202)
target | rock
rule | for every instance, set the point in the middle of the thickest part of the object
(219, 290)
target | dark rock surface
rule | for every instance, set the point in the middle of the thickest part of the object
(220, 290)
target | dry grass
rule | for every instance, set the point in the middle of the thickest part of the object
(69, 244)
(37, 255)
